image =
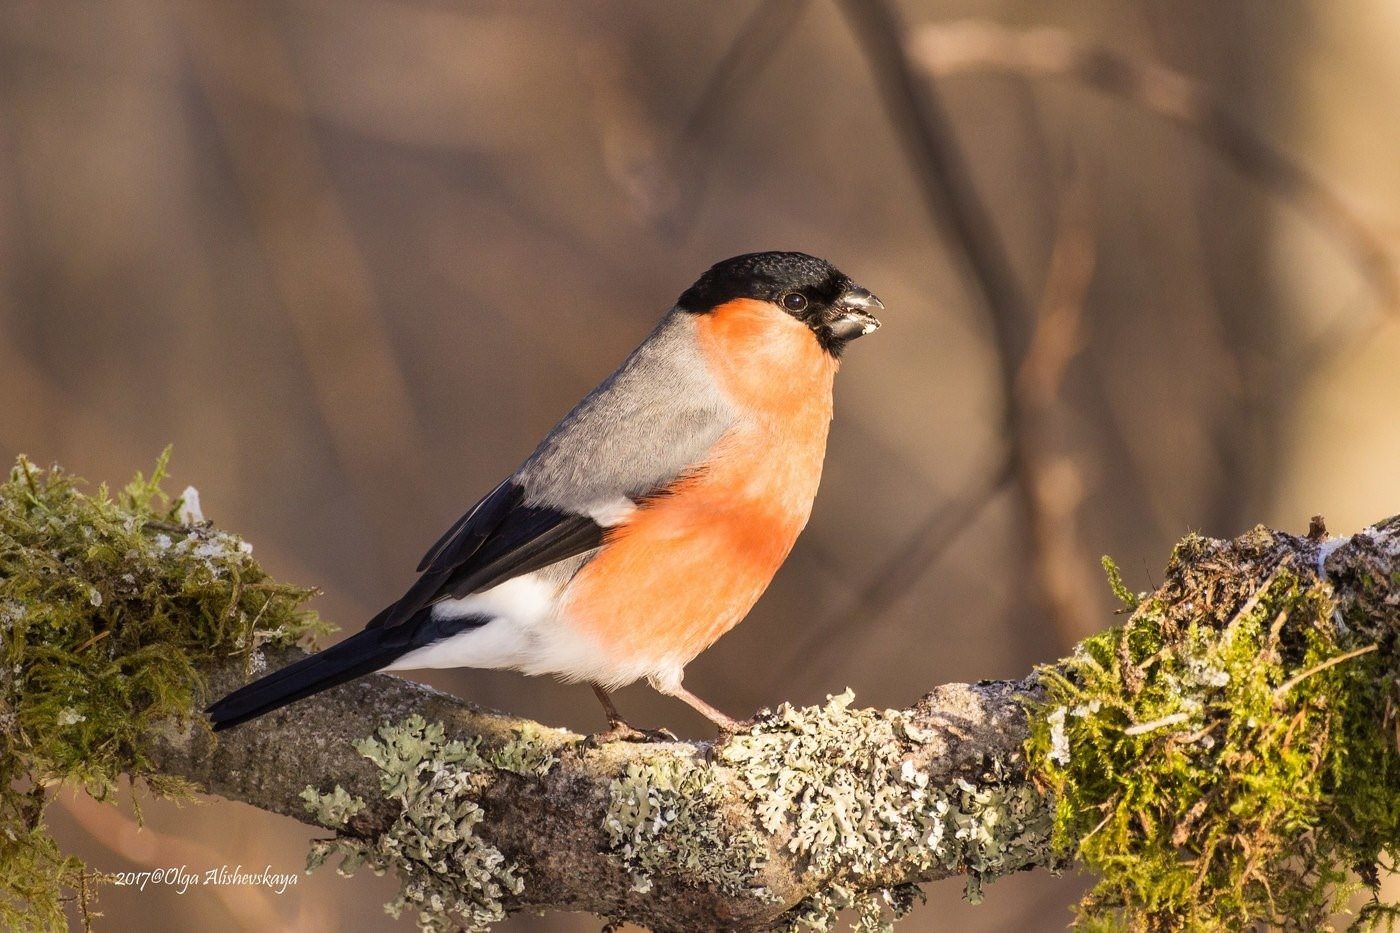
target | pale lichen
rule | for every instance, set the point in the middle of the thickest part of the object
(840, 785)
(665, 818)
(872, 911)
(839, 789)
(333, 809)
(530, 753)
(450, 875)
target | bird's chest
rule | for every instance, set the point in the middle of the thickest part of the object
(691, 563)
(763, 474)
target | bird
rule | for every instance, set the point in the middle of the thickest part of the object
(647, 523)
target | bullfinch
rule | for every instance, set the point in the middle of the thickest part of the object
(648, 522)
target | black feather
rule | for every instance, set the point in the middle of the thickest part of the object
(499, 539)
(360, 654)
(765, 276)
(363, 653)
(468, 532)
(556, 536)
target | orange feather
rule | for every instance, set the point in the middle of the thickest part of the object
(689, 565)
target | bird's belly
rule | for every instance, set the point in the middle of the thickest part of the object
(690, 564)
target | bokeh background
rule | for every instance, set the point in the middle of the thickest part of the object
(353, 258)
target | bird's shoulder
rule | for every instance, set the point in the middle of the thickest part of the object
(651, 422)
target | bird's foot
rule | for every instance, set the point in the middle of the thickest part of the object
(623, 731)
(729, 728)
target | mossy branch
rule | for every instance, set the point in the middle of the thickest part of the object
(673, 836)
(1228, 755)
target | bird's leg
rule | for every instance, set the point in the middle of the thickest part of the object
(671, 686)
(619, 729)
(727, 725)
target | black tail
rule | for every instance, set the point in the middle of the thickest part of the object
(357, 655)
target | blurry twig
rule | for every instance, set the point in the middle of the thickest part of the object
(1130, 457)
(1343, 336)
(905, 566)
(1061, 567)
(261, 113)
(740, 65)
(734, 74)
(948, 49)
(1059, 564)
(955, 208)
(661, 173)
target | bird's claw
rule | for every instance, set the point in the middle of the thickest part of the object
(728, 730)
(622, 731)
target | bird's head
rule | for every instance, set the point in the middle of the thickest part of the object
(812, 290)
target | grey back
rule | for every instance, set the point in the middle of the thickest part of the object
(647, 423)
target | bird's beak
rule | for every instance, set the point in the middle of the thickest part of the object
(855, 315)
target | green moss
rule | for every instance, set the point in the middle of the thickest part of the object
(840, 784)
(108, 606)
(1220, 759)
(1115, 583)
(448, 874)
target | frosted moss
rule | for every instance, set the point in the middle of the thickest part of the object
(109, 604)
(448, 874)
(1228, 756)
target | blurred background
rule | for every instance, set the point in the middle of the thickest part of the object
(354, 258)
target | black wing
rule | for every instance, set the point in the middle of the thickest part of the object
(467, 532)
(499, 538)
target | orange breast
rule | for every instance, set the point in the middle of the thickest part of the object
(688, 565)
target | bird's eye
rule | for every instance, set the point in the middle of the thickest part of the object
(794, 301)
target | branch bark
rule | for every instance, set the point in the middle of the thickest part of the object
(553, 825)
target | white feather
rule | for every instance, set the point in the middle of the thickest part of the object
(525, 634)
(517, 608)
(612, 512)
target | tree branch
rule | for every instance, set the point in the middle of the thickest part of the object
(553, 825)
(1226, 757)
(686, 836)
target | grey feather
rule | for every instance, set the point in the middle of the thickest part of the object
(646, 424)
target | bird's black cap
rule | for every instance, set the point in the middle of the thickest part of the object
(765, 276)
(811, 289)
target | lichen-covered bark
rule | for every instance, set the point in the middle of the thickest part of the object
(554, 826)
(813, 810)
